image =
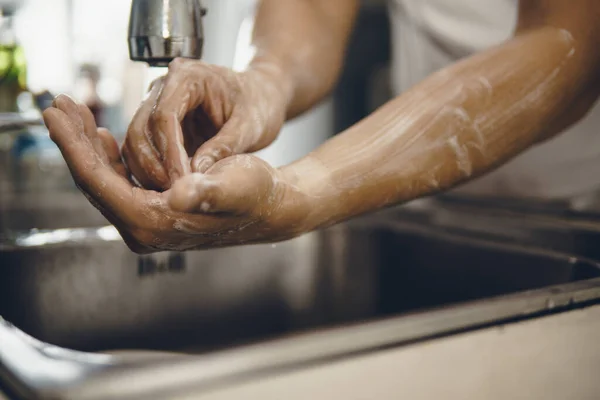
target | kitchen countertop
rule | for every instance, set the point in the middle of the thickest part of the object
(555, 357)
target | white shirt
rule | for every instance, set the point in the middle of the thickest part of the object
(431, 34)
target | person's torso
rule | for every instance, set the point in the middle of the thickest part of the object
(431, 34)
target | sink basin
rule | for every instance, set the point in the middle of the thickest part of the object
(556, 226)
(82, 289)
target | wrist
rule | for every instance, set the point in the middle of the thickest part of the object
(309, 194)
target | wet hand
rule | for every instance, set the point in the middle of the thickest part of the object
(199, 114)
(238, 200)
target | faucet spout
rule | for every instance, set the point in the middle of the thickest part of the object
(162, 30)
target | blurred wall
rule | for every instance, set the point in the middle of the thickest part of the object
(43, 27)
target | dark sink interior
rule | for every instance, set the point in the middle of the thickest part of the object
(360, 271)
(430, 270)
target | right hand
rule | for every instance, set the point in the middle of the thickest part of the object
(205, 112)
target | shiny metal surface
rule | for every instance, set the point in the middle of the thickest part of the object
(162, 30)
(29, 363)
(89, 376)
(83, 289)
(561, 226)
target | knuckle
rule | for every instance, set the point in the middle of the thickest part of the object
(52, 135)
(160, 116)
(177, 63)
(186, 66)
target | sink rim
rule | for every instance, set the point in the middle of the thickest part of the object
(301, 350)
(48, 238)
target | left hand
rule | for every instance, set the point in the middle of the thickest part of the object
(239, 200)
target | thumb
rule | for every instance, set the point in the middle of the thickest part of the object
(238, 185)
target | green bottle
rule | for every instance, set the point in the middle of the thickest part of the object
(13, 66)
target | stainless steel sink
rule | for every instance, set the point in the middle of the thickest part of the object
(234, 315)
(560, 226)
(82, 289)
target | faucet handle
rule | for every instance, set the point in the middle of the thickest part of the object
(162, 30)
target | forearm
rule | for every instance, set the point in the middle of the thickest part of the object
(300, 45)
(454, 126)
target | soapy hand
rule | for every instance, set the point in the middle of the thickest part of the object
(238, 200)
(205, 112)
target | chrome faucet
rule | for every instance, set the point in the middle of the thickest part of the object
(162, 30)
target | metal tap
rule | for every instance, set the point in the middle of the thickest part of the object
(162, 30)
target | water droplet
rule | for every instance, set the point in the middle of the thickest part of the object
(550, 304)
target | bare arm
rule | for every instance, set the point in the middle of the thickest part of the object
(304, 42)
(463, 120)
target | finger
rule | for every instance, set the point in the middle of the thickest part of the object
(82, 118)
(168, 137)
(110, 145)
(141, 177)
(111, 148)
(223, 145)
(176, 99)
(70, 108)
(236, 186)
(89, 123)
(177, 96)
(236, 137)
(100, 182)
(141, 156)
(156, 82)
(91, 130)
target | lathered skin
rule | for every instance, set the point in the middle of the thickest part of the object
(188, 144)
